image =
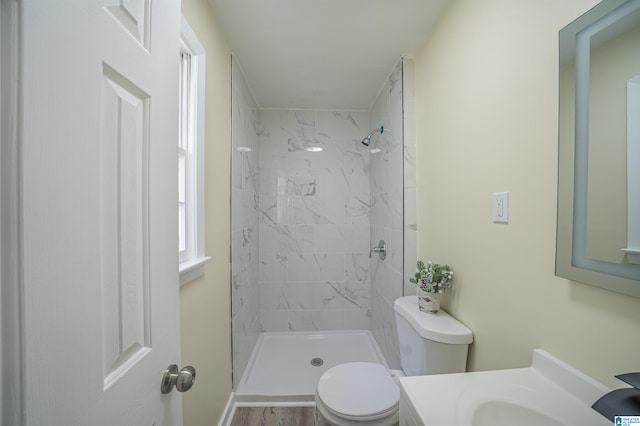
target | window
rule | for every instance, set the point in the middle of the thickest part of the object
(191, 157)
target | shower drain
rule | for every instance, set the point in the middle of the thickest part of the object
(317, 362)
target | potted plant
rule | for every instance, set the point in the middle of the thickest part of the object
(432, 280)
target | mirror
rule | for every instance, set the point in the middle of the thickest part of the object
(598, 234)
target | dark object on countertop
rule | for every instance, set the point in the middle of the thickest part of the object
(621, 402)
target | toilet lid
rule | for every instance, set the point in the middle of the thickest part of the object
(359, 391)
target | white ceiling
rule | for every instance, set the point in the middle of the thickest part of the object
(322, 54)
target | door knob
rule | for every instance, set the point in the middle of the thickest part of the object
(182, 380)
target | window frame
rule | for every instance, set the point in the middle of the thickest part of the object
(192, 259)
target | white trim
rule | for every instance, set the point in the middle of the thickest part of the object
(188, 39)
(1, 145)
(192, 267)
(633, 171)
(12, 405)
(633, 256)
(229, 409)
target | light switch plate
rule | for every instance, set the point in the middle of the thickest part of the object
(500, 207)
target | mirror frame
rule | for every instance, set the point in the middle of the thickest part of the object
(572, 261)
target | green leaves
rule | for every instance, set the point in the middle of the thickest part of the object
(432, 277)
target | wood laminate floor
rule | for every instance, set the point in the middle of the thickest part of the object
(276, 416)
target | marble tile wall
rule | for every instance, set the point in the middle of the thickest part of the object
(391, 186)
(314, 221)
(245, 177)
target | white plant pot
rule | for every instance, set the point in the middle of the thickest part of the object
(428, 302)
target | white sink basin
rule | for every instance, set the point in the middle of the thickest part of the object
(548, 393)
(501, 412)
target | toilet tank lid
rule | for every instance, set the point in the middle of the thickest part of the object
(440, 327)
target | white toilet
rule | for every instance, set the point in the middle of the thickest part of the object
(366, 393)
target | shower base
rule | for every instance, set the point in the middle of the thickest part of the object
(287, 366)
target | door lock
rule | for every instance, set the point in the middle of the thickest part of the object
(182, 380)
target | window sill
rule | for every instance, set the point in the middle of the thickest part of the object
(192, 269)
(633, 255)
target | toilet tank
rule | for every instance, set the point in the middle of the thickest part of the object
(430, 343)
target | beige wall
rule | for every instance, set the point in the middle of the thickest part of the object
(205, 303)
(487, 105)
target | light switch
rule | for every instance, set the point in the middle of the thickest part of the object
(500, 207)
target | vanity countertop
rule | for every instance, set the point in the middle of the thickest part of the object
(548, 392)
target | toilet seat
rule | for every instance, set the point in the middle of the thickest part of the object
(359, 391)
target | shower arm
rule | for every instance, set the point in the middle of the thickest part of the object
(367, 140)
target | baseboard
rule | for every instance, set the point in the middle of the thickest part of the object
(229, 409)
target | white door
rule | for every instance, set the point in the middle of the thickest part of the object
(98, 210)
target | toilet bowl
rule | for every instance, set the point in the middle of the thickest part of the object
(358, 393)
(367, 394)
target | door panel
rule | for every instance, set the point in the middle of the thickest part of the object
(134, 16)
(99, 189)
(124, 190)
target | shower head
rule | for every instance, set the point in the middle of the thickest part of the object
(367, 140)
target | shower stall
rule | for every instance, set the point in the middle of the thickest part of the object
(310, 201)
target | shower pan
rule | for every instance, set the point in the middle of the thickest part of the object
(287, 365)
